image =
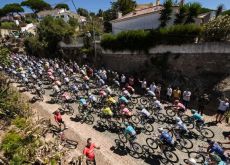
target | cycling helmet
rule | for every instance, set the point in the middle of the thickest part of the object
(193, 111)
(89, 93)
(160, 129)
(210, 141)
(147, 89)
(177, 119)
(123, 89)
(154, 98)
(126, 123)
(142, 107)
(176, 101)
(122, 105)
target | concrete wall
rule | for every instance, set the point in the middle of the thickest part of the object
(190, 60)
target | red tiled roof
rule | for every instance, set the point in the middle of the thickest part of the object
(140, 12)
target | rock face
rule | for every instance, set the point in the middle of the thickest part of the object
(224, 87)
(204, 65)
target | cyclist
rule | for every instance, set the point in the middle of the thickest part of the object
(144, 113)
(123, 100)
(165, 138)
(107, 112)
(58, 119)
(129, 132)
(216, 148)
(197, 117)
(157, 104)
(125, 112)
(180, 127)
(179, 107)
(150, 93)
(126, 93)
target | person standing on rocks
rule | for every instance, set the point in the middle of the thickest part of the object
(176, 94)
(222, 109)
(186, 97)
(203, 100)
(89, 152)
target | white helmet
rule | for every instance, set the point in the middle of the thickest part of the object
(192, 161)
(177, 119)
(154, 98)
(160, 129)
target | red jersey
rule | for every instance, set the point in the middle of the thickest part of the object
(58, 117)
(89, 152)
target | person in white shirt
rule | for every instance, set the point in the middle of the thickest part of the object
(169, 93)
(123, 80)
(186, 97)
(157, 103)
(153, 87)
(223, 107)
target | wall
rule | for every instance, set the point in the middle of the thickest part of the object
(190, 59)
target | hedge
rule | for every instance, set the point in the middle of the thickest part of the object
(143, 40)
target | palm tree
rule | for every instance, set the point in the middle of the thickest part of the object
(181, 15)
(166, 13)
(219, 10)
(193, 12)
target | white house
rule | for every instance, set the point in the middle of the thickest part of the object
(61, 13)
(146, 17)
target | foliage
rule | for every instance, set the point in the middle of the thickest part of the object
(35, 47)
(52, 31)
(36, 5)
(166, 13)
(20, 122)
(204, 10)
(73, 22)
(4, 56)
(218, 29)
(83, 12)
(62, 6)
(143, 40)
(108, 15)
(226, 12)
(193, 12)
(12, 8)
(100, 13)
(124, 6)
(219, 10)
(9, 25)
(181, 15)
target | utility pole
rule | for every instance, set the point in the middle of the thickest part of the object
(74, 5)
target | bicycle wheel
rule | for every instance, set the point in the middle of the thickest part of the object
(151, 143)
(148, 127)
(160, 117)
(89, 119)
(71, 110)
(200, 159)
(171, 156)
(136, 148)
(170, 112)
(134, 100)
(135, 119)
(122, 138)
(130, 105)
(144, 100)
(71, 144)
(205, 132)
(186, 143)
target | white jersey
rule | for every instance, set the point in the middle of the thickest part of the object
(145, 112)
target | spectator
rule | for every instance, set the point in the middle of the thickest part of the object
(153, 87)
(223, 107)
(186, 97)
(143, 85)
(158, 91)
(203, 100)
(58, 119)
(176, 94)
(123, 80)
(131, 81)
(169, 93)
(89, 152)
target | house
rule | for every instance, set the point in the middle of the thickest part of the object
(61, 13)
(146, 16)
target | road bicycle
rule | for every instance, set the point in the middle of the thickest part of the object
(154, 143)
(67, 109)
(62, 140)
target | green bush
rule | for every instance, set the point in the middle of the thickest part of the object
(9, 25)
(143, 40)
(218, 29)
(20, 122)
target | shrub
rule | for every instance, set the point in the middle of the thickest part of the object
(20, 122)
(143, 40)
(9, 25)
(218, 29)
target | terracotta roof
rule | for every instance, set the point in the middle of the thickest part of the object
(140, 12)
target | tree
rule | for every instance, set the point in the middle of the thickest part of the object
(83, 12)
(100, 13)
(166, 13)
(36, 5)
(62, 6)
(181, 15)
(124, 6)
(52, 31)
(12, 8)
(217, 29)
(219, 10)
(193, 12)
(226, 12)
(108, 15)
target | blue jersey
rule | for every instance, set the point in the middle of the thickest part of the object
(130, 130)
(217, 149)
(197, 116)
(123, 99)
(82, 102)
(166, 137)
